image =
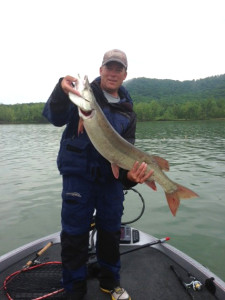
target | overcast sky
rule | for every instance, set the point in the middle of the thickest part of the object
(43, 40)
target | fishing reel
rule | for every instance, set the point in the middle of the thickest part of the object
(195, 284)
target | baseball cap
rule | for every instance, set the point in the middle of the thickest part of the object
(115, 55)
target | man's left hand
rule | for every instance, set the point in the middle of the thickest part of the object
(138, 172)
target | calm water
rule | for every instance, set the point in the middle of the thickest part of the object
(31, 186)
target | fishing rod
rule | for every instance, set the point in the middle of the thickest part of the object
(93, 261)
(159, 241)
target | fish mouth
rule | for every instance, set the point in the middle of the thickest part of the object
(86, 114)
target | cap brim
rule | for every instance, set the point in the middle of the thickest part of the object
(116, 60)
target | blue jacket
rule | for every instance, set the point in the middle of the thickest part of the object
(77, 155)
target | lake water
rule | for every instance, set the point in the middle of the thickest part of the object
(30, 186)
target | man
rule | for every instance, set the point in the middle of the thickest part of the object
(88, 181)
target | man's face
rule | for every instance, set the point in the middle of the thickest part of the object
(112, 76)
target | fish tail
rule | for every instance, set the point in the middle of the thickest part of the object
(185, 193)
(181, 192)
(173, 202)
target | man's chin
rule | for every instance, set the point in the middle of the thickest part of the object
(110, 89)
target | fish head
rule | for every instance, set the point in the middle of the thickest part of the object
(84, 99)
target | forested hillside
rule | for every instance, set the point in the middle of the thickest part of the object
(165, 99)
(174, 91)
(154, 99)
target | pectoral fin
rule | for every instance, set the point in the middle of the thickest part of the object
(115, 170)
(80, 126)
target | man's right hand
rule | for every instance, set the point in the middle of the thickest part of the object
(67, 85)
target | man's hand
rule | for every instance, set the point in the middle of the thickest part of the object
(67, 85)
(138, 172)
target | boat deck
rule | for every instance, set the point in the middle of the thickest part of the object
(145, 273)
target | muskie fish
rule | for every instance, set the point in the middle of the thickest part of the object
(119, 152)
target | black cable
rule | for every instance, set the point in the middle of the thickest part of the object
(143, 207)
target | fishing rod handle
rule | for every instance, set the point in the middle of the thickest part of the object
(30, 262)
(44, 249)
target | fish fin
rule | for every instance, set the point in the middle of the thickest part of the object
(173, 199)
(173, 202)
(151, 184)
(80, 126)
(185, 193)
(115, 170)
(162, 163)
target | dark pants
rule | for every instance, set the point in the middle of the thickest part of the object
(80, 199)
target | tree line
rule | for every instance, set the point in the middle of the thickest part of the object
(154, 99)
(146, 111)
(190, 110)
(22, 113)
